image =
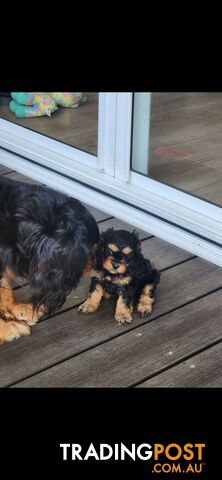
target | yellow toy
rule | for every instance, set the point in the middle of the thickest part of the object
(68, 99)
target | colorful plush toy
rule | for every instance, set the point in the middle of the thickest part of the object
(32, 104)
(37, 104)
(69, 99)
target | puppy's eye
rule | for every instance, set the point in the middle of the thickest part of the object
(108, 251)
(129, 256)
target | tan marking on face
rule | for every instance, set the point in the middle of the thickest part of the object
(93, 301)
(127, 250)
(121, 269)
(113, 247)
(123, 313)
(107, 264)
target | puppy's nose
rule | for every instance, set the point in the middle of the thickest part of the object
(115, 265)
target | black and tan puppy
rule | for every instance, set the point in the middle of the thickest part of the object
(121, 270)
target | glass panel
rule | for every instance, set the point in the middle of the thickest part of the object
(177, 140)
(70, 117)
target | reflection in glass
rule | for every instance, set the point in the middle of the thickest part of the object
(177, 140)
(77, 127)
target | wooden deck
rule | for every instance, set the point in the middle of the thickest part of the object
(179, 345)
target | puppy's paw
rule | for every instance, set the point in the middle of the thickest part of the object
(122, 317)
(88, 306)
(145, 307)
(12, 330)
(123, 312)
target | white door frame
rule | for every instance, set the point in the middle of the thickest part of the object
(106, 181)
(141, 131)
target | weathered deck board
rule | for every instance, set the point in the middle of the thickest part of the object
(130, 358)
(202, 370)
(98, 214)
(67, 334)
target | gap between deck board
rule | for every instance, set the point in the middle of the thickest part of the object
(200, 370)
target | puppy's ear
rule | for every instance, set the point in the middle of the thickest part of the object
(105, 236)
(137, 243)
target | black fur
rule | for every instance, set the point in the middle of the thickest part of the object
(139, 269)
(46, 238)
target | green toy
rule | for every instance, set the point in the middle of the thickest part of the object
(37, 104)
(32, 104)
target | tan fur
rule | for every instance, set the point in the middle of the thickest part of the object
(13, 310)
(145, 304)
(9, 274)
(93, 301)
(127, 250)
(107, 264)
(113, 247)
(147, 290)
(88, 267)
(26, 313)
(119, 280)
(123, 313)
(96, 274)
(7, 297)
(12, 330)
(5, 315)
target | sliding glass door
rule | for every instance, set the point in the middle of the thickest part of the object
(177, 140)
(180, 160)
(152, 160)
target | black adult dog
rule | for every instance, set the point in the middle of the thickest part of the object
(120, 270)
(48, 240)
